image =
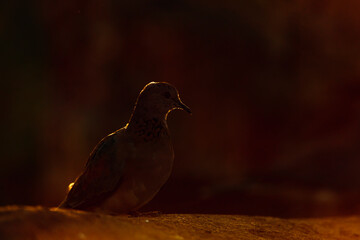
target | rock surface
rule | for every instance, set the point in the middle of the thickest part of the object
(43, 223)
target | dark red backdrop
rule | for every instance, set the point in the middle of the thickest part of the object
(274, 88)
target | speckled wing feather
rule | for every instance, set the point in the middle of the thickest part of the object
(102, 175)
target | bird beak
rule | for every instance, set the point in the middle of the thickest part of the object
(182, 106)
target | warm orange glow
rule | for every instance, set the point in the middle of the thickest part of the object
(70, 186)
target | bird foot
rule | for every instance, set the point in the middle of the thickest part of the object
(144, 214)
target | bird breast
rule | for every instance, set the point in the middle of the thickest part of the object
(145, 172)
(154, 158)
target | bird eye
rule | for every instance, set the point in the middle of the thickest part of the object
(167, 94)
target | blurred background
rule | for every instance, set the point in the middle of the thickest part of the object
(274, 88)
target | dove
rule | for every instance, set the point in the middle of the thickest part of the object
(127, 168)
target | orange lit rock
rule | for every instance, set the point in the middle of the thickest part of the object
(42, 223)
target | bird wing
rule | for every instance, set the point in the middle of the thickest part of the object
(102, 175)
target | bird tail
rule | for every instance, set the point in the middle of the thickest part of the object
(64, 204)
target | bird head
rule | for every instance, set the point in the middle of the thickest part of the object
(161, 97)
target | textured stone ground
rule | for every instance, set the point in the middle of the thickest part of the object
(42, 223)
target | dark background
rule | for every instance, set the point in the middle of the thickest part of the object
(274, 87)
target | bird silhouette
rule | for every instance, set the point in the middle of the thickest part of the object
(128, 167)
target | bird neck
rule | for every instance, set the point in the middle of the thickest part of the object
(144, 112)
(147, 124)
